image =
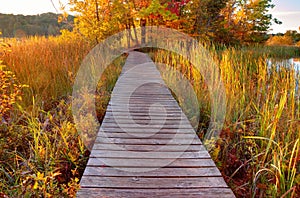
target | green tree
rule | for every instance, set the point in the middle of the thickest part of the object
(294, 34)
(248, 20)
(208, 19)
(43, 24)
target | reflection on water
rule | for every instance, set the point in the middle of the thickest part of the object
(287, 63)
(295, 62)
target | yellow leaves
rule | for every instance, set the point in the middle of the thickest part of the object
(41, 181)
(60, 19)
(241, 14)
(215, 152)
(254, 2)
(280, 41)
(10, 90)
(76, 180)
(35, 186)
(4, 47)
(40, 176)
(72, 187)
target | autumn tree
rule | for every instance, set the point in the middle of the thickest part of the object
(248, 21)
(98, 19)
(294, 34)
(280, 40)
(156, 13)
(291, 37)
(225, 21)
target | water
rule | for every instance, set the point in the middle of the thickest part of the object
(292, 62)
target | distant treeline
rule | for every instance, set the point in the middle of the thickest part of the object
(42, 24)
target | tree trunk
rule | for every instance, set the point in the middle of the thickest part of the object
(135, 33)
(98, 17)
(143, 32)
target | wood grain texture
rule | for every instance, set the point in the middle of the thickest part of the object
(146, 147)
(152, 182)
(162, 172)
(160, 193)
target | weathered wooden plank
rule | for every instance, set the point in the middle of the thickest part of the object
(149, 94)
(146, 122)
(139, 104)
(150, 126)
(148, 141)
(154, 155)
(143, 100)
(172, 148)
(161, 172)
(141, 182)
(143, 106)
(151, 163)
(161, 193)
(145, 135)
(123, 90)
(175, 115)
(157, 98)
(145, 112)
(148, 130)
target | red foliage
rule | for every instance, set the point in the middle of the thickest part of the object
(175, 6)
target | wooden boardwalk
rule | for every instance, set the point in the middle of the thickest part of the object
(146, 147)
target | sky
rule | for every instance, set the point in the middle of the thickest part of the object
(287, 11)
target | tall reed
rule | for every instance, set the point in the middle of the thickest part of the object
(41, 152)
(47, 65)
(258, 149)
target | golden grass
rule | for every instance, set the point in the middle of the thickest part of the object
(47, 65)
(41, 152)
(258, 150)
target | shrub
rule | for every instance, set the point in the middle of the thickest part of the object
(280, 40)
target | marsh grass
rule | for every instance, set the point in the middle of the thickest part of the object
(258, 149)
(41, 152)
(47, 65)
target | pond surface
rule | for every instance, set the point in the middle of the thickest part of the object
(292, 62)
